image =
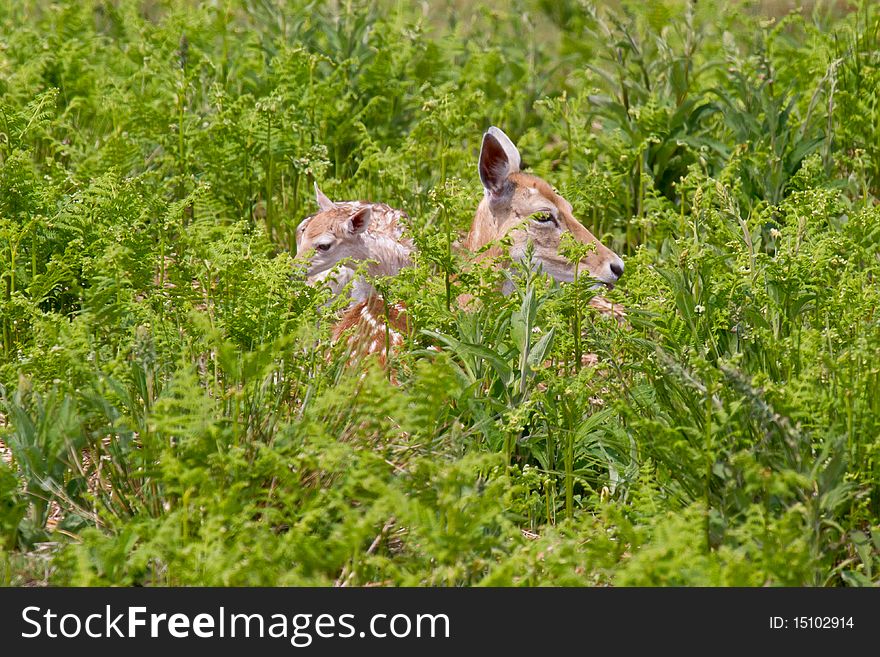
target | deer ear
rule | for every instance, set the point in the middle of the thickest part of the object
(510, 149)
(323, 202)
(498, 159)
(359, 221)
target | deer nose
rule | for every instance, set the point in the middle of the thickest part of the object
(617, 268)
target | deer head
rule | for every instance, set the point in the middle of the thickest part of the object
(528, 210)
(351, 231)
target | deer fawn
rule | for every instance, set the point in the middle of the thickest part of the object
(341, 234)
(354, 231)
(527, 209)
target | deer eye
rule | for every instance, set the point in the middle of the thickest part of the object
(322, 248)
(542, 217)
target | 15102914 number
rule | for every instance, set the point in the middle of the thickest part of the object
(812, 622)
(822, 622)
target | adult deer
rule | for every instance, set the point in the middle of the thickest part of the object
(526, 209)
(338, 237)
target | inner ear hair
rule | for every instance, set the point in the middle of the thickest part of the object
(360, 220)
(494, 165)
(514, 159)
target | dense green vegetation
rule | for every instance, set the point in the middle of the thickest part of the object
(175, 412)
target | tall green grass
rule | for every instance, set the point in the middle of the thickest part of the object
(175, 412)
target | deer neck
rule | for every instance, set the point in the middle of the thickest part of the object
(387, 255)
(486, 226)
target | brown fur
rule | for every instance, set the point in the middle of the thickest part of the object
(530, 194)
(369, 324)
(373, 327)
(527, 210)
